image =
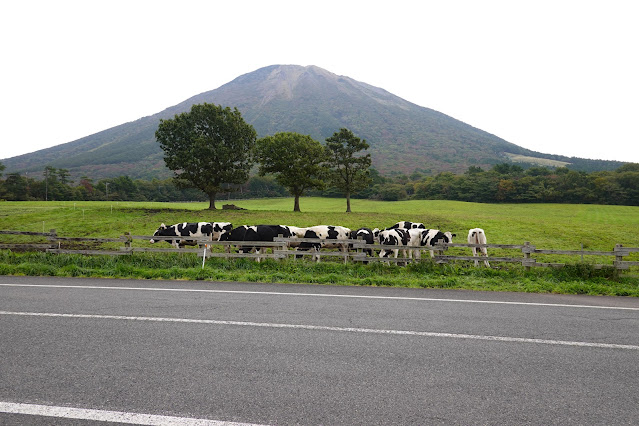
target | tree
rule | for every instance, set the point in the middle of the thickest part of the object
(17, 187)
(349, 171)
(207, 147)
(295, 160)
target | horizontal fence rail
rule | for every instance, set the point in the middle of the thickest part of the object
(347, 250)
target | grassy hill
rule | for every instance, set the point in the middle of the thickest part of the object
(404, 137)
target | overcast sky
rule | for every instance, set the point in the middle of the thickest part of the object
(558, 76)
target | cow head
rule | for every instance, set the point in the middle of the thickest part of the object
(158, 233)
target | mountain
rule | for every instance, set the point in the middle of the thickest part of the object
(403, 137)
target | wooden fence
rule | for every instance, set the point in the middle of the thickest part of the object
(281, 248)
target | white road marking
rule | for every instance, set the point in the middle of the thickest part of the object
(108, 416)
(352, 296)
(328, 328)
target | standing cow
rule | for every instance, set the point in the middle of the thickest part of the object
(325, 232)
(186, 229)
(367, 235)
(219, 229)
(428, 238)
(256, 233)
(478, 236)
(393, 237)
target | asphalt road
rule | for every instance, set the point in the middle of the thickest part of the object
(310, 355)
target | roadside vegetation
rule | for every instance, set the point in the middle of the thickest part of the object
(548, 226)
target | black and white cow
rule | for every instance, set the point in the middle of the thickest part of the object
(186, 229)
(324, 232)
(219, 229)
(365, 234)
(393, 237)
(257, 233)
(478, 236)
(408, 225)
(429, 238)
(296, 232)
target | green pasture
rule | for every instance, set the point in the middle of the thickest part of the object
(547, 226)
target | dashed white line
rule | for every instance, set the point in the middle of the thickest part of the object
(329, 328)
(109, 416)
(351, 296)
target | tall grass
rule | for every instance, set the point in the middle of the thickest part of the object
(576, 279)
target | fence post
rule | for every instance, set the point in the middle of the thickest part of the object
(527, 250)
(127, 243)
(204, 255)
(53, 237)
(281, 247)
(619, 254)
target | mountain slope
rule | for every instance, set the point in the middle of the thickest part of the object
(308, 100)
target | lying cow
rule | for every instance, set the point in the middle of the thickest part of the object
(197, 230)
(478, 236)
(261, 233)
(428, 238)
(408, 225)
(324, 232)
(393, 237)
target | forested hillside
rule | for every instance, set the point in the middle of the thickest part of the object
(503, 183)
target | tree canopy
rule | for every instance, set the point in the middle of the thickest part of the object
(208, 147)
(295, 160)
(349, 171)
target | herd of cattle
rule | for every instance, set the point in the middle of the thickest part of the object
(402, 234)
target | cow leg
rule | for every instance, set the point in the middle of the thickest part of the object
(475, 255)
(485, 253)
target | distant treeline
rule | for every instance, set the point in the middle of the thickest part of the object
(503, 183)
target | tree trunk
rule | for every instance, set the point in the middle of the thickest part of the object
(297, 204)
(348, 202)
(212, 201)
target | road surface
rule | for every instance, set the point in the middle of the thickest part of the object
(79, 351)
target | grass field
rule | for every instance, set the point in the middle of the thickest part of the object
(551, 226)
(547, 226)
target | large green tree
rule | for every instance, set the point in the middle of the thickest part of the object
(349, 168)
(207, 147)
(295, 160)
